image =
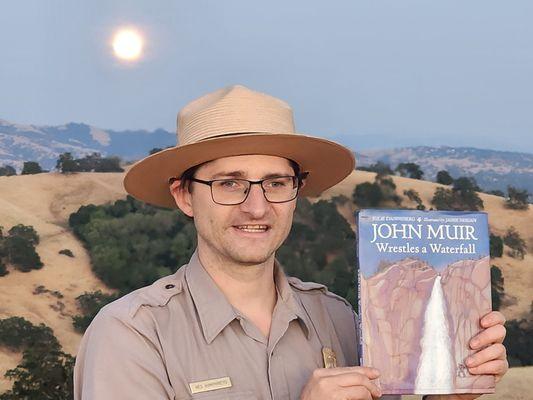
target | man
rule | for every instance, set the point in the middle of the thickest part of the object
(230, 324)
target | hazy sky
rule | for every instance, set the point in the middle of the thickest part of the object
(448, 72)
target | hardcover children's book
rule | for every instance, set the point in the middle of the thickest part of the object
(424, 284)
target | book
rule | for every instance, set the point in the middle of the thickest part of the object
(424, 284)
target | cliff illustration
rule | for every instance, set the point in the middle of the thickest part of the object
(417, 323)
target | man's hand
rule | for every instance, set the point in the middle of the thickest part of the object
(490, 358)
(350, 383)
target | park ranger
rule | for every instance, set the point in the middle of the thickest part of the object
(230, 324)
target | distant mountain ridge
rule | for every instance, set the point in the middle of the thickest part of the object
(18, 143)
(492, 169)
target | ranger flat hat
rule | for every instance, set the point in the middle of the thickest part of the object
(237, 121)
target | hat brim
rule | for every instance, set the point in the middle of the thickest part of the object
(327, 162)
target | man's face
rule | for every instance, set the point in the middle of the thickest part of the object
(247, 233)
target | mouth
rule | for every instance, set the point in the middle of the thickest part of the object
(252, 228)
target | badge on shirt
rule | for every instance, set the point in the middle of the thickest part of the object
(210, 384)
(330, 360)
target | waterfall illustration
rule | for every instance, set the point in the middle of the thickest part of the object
(436, 366)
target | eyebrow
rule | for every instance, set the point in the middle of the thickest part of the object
(242, 174)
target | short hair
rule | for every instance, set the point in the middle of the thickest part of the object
(187, 176)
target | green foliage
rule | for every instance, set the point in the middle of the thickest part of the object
(462, 197)
(444, 178)
(66, 252)
(7, 170)
(497, 290)
(132, 244)
(18, 248)
(375, 194)
(517, 199)
(367, 194)
(410, 170)
(414, 197)
(18, 334)
(320, 248)
(31, 167)
(3, 268)
(26, 232)
(519, 340)
(94, 162)
(45, 372)
(90, 303)
(517, 245)
(496, 246)
(379, 167)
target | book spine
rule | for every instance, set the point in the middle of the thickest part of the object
(359, 310)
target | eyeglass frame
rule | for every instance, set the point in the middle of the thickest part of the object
(299, 179)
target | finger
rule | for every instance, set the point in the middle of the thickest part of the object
(492, 318)
(488, 336)
(358, 393)
(352, 379)
(494, 367)
(369, 372)
(493, 352)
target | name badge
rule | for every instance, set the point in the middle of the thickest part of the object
(210, 384)
(330, 360)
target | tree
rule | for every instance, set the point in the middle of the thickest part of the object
(21, 253)
(444, 178)
(7, 170)
(517, 199)
(410, 170)
(463, 196)
(496, 192)
(496, 246)
(25, 231)
(367, 194)
(517, 245)
(414, 197)
(66, 163)
(90, 303)
(497, 291)
(380, 168)
(30, 168)
(109, 164)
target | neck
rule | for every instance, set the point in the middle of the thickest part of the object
(249, 287)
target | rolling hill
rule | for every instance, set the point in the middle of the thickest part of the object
(45, 201)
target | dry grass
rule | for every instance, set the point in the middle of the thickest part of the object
(45, 201)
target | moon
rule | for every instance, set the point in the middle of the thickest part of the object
(128, 44)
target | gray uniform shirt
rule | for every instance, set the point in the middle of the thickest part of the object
(180, 338)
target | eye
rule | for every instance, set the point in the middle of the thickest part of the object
(278, 183)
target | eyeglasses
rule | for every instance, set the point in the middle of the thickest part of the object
(230, 192)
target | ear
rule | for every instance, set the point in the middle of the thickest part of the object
(182, 197)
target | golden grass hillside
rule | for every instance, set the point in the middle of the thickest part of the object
(45, 201)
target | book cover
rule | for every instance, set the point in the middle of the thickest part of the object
(424, 284)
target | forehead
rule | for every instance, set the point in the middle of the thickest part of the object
(249, 165)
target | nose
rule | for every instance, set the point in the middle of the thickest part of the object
(255, 204)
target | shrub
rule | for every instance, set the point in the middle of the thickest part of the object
(3, 268)
(66, 252)
(517, 245)
(517, 199)
(21, 253)
(414, 197)
(90, 303)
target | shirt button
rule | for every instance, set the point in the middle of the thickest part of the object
(170, 286)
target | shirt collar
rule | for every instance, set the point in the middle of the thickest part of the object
(214, 310)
